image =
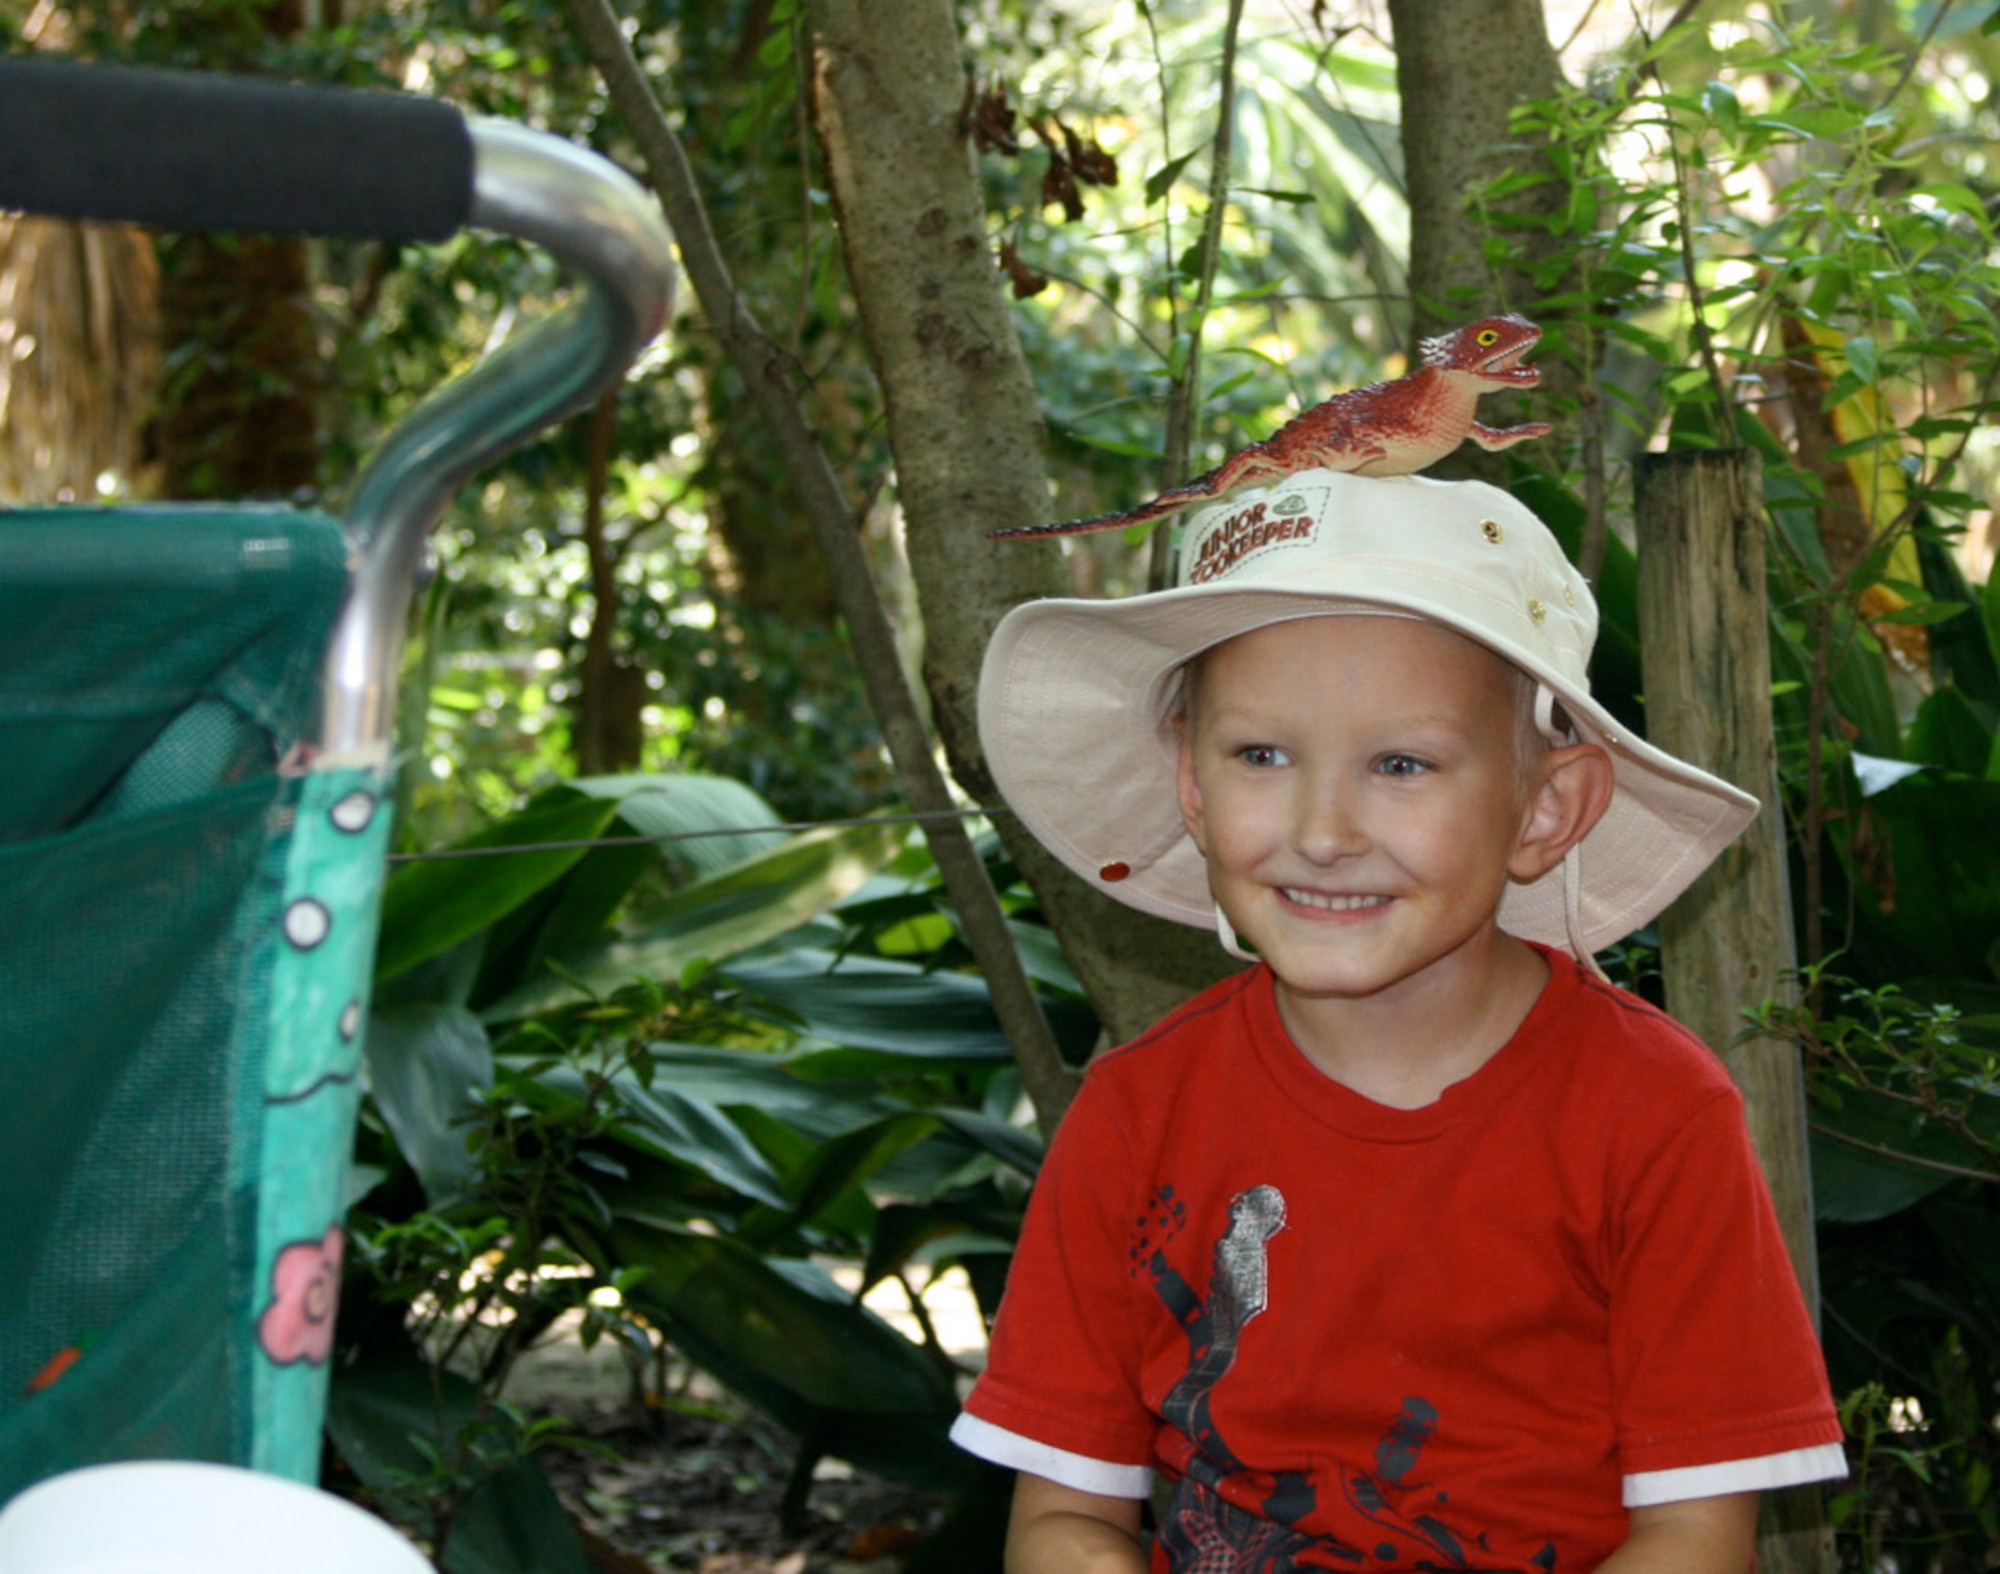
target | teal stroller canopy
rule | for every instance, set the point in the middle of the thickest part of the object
(195, 713)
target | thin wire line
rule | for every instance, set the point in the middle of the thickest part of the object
(787, 827)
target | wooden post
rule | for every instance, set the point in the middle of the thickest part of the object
(1727, 945)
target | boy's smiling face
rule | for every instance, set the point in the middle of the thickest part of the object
(1358, 788)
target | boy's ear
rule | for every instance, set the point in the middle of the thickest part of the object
(1188, 790)
(1571, 792)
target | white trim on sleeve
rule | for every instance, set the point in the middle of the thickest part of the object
(1652, 1487)
(1080, 1471)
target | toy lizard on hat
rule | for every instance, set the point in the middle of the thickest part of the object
(1387, 428)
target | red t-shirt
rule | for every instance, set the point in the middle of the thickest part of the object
(1466, 1336)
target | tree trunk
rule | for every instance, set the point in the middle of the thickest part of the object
(238, 413)
(239, 417)
(79, 356)
(966, 430)
(1726, 944)
(1461, 67)
(611, 690)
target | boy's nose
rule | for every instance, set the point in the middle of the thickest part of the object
(1328, 828)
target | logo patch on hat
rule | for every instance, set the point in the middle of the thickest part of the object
(1246, 532)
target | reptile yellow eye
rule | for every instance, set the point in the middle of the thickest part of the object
(1489, 336)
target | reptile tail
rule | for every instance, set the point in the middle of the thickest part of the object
(1171, 501)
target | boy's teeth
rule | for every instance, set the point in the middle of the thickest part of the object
(1338, 904)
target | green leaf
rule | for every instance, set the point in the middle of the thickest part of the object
(1949, 732)
(1989, 607)
(691, 810)
(390, 1416)
(1297, 199)
(668, 1124)
(1856, 1174)
(1161, 181)
(867, 1003)
(1719, 100)
(904, 1229)
(1955, 198)
(428, 1066)
(851, 1159)
(431, 905)
(757, 900)
(513, 1523)
(1935, 838)
(799, 1349)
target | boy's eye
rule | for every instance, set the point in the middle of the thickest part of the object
(1402, 765)
(1261, 755)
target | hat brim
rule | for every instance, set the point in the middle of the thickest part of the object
(1092, 772)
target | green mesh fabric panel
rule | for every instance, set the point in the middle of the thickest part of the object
(115, 621)
(155, 665)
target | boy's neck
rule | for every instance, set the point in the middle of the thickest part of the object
(1403, 1046)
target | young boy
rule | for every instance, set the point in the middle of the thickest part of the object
(1416, 1246)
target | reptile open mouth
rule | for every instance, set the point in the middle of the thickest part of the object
(1508, 367)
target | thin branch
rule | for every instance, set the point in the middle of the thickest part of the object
(1936, 1166)
(1576, 32)
(1917, 54)
(761, 365)
(1184, 399)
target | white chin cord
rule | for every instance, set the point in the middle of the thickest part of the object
(1226, 933)
(1560, 734)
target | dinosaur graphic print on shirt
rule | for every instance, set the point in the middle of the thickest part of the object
(1226, 1517)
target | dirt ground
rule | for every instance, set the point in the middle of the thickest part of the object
(694, 1483)
(689, 1492)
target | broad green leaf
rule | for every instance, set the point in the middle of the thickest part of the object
(1161, 181)
(1934, 839)
(1948, 731)
(715, 1294)
(388, 1414)
(1719, 100)
(428, 1066)
(691, 813)
(1960, 652)
(1989, 607)
(725, 1077)
(866, 1003)
(850, 1160)
(1009, 1144)
(433, 904)
(572, 911)
(1856, 1176)
(513, 1523)
(1955, 198)
(718, 917)
(668, 1124)
(1043, 958)
(902, 1230)
(785, 1338)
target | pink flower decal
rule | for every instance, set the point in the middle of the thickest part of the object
(305, 1292)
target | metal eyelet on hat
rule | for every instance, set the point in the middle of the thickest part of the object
(1491, 530)
(1536, 611)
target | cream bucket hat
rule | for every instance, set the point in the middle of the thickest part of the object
(1077, 698)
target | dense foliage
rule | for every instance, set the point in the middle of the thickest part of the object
(660, 1086)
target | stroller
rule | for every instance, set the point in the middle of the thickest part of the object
(196, 707)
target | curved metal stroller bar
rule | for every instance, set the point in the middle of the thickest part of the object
(602, 223)
(183, 150)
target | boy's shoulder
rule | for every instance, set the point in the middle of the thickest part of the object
(1603, 1042)
(1227, 1007)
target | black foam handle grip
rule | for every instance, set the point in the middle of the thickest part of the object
(187, 151)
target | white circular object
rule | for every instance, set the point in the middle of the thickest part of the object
(175, 1517)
